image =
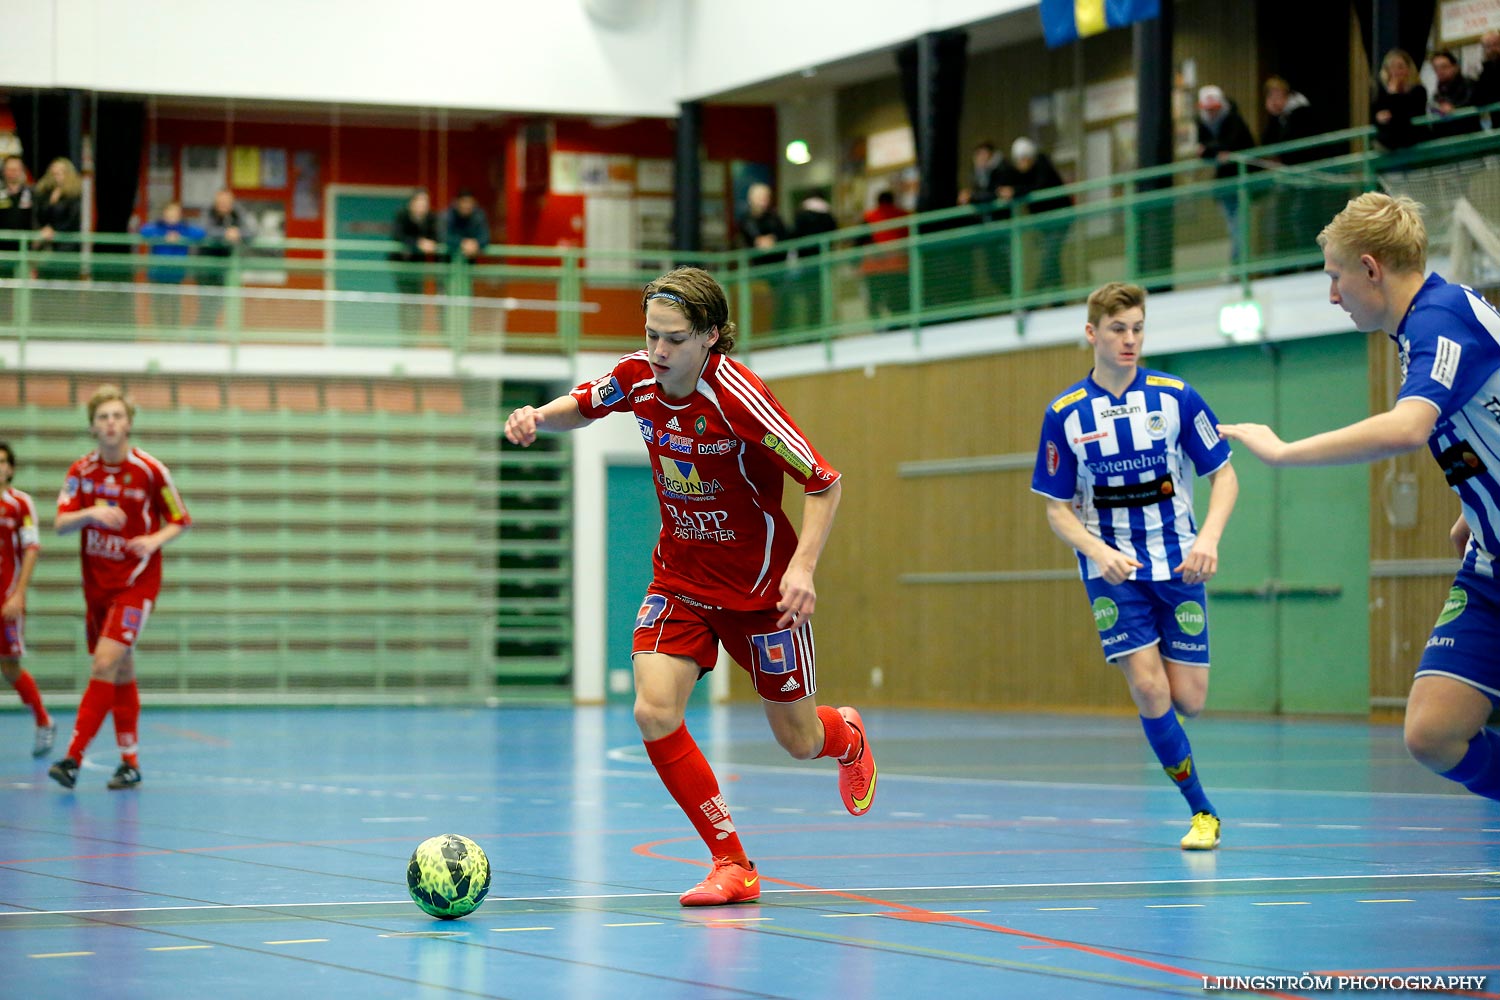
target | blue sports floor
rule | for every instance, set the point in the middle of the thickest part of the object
(1006, 856)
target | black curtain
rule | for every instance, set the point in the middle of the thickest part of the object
(49, 124)
(1405, 24)
(119, 132)
(932, 84)
(1304, 58)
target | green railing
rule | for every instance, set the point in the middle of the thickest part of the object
(1168, 225)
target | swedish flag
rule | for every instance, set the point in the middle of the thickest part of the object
(1065, 21)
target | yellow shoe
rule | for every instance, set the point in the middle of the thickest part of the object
(1204, 836)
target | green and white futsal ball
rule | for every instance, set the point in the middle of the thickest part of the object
(448, 876)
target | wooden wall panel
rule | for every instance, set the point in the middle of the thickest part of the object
(1402, 612)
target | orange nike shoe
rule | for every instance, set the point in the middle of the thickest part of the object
(729, 882)
(857, 778)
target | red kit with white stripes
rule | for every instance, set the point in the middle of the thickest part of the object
(718, 457)
(142, 487)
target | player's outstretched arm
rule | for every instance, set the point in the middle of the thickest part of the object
(1114, 564)
(798, 596)
(1202, 561)
(1403, 428)
(561, 414)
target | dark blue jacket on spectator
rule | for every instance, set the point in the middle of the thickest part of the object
(187, 234)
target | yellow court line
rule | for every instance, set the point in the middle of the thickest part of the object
(1056, 909)
(180, 947)
(60, 954)
(298, 941)
(638, 923)
(1282, 904)
(507, 930)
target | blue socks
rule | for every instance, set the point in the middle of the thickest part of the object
(1479, 771)
(1171, 745)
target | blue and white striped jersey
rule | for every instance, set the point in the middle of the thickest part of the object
(1123, 462)
(1450, 357)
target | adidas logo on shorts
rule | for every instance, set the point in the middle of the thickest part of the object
(790, 685)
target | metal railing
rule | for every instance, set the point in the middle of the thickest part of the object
(1171, 224)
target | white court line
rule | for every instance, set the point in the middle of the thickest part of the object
(786, 892)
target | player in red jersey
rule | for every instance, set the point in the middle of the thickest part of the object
(127, 507)
(18, 553)
(728, 568)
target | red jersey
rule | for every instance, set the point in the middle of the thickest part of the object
(718, 458)
(140, 486)
(18, 532)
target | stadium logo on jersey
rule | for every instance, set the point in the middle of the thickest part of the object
(701, 424)
(1128, 409)
(607, 392)
(1156, 425)
(1053, 459)
(1458, 599)
(1106, 613)
(1190, 618)
(682, 479)
(1441, 642)
(673, 425)
(791, 457)
(676, 442)
(647, 428)
(1460, 463)
(1171, 383)
(723, 446)
(1068, 400)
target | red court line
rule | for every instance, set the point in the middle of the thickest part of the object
(919, 913)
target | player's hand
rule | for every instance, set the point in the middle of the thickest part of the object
(798, 598)
(1459, 535)
(1259, 439)
(13, 608)
(1115, 565)
(106, 516)
(521, 426)
(143, 545)
(1201, 564)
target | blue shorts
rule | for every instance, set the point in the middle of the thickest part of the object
(1140, 613)
(1465, 642)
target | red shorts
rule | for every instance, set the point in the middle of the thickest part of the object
(120, 616)
(12, 638)
(781, 662)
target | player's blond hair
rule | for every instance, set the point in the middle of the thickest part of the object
(106, 394)
(1390, 229)
(693, 292)
(1114, 298)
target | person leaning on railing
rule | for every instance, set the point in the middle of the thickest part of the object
(227, 227)
(59, 218)
(1487, 87)
(1399, 100)
(17, 213)
(1453, 91)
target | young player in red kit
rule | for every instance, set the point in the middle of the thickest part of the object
(127, 507)
(18, 553)
(728, 567)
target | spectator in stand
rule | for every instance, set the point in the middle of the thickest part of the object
(227, 228)
(994, 257)
(886, 271)
(416, 229)
(1024, 176)
(814, 218)
(1221, 133)
(1399, 99)
(761, 227)
(1289, 117)
(1453, 91)
(170, 238)
(466, 231)
(59, 218)
(1487, 87)
(17, 212)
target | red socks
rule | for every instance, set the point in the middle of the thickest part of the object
(26, 687)
(686, 773)
(98, 699)
(839, 738)
(127, 716)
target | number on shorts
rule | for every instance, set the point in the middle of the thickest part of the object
(651, 609)
(775, 652)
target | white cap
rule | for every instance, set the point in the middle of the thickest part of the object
(1210, 95)
(1023, 149)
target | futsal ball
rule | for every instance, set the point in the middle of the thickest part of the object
(448, 876)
